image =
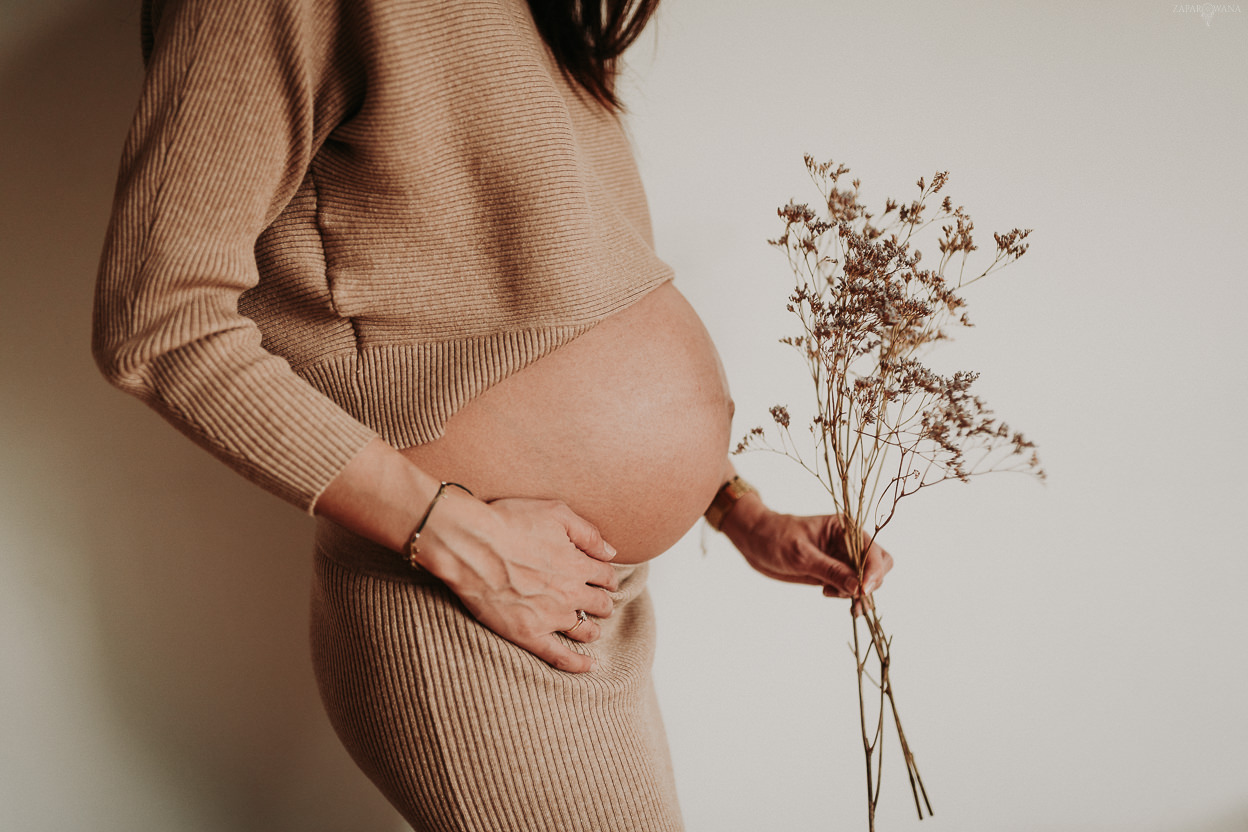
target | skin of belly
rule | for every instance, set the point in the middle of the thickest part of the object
(629, 424)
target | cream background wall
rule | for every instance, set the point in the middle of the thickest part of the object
(1068, 657)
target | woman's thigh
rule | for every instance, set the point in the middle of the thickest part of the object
(462, 730)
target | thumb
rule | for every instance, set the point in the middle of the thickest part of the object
(586, 537)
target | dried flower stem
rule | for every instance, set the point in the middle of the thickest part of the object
(886, 426)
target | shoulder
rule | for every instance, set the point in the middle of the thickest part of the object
(297, 26)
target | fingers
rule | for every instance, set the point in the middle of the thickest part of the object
(838, 578)
(603, 575)
(584, 631)
(556, 653)
(596, 602)
(842, 580)
(877, 565)
(585, 535)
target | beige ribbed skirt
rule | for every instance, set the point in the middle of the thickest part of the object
(462, 730)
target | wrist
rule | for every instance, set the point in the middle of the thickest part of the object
(747, 515)
(457, 527)
(736, 505)
(379, 495)
(412, 549)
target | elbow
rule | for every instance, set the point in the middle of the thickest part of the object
(115, 371)
(119, 362)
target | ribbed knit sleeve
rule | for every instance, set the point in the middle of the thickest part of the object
(227, 125)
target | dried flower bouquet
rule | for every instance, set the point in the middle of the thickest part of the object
(885, 426)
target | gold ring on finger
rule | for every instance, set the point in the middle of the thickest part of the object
(580, 619)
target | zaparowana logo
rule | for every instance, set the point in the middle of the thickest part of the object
(1206, 10)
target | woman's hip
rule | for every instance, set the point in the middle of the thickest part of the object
(462, 729)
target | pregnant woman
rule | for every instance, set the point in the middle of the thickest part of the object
(391, 260)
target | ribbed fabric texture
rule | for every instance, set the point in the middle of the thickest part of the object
(338, 219)
(463, 731)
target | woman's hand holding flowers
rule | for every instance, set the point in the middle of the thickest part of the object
(807, 550)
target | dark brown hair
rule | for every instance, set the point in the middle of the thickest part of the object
(587, 37)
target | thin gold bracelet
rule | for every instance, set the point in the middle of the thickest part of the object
(413, 543)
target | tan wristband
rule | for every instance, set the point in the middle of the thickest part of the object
(725, 499)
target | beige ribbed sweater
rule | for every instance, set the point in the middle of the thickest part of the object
(337, 219)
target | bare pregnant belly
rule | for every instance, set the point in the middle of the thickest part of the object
(629, 424)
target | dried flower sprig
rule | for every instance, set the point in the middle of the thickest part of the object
(885, 426)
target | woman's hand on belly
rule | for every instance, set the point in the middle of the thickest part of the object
(523, 568)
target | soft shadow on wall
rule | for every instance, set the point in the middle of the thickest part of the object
(155, 604)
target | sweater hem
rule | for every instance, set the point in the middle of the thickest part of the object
(407, 392)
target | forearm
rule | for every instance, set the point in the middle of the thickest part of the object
(380, 495)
